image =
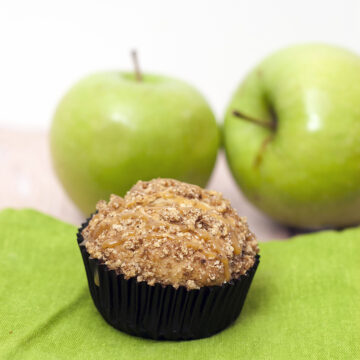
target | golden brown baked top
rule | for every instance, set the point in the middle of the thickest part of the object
(169, 232)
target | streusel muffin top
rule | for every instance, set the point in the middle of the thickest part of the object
(173, 233)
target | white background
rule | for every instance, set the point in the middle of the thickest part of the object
(45, 46)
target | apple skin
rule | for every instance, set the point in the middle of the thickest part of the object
(309, 172)
(109, 131)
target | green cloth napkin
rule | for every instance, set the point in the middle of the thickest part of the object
(303, 303)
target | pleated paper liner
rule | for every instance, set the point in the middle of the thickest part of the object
(163, 312)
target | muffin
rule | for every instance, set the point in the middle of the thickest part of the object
(170, 260)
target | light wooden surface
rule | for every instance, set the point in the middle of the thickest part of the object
(27, 181)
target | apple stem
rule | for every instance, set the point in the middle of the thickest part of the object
(138, 74)
(268, 125)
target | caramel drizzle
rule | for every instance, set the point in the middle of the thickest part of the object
(200, 234)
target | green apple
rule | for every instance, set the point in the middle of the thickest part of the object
(112, 129)
(292, 136)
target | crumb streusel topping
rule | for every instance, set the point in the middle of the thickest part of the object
(169, 232)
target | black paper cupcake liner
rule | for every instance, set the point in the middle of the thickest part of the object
(163, 312)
